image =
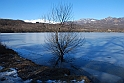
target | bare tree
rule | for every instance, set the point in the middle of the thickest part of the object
(61, 43)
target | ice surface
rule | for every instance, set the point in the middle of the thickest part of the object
(105, 47)
(58, 81)
(104, 50)
(104, 77)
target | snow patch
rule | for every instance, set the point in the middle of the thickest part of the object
(93, 20)
(11, 76)
(1, 67)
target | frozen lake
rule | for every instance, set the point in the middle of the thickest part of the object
(107, 47)
(99, 52)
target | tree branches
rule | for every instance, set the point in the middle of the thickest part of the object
(62, 43)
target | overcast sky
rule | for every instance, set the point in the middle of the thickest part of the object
(35, 9)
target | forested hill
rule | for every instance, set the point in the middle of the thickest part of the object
(10, 26)
(83, 25)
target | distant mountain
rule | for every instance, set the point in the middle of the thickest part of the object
(109, 24)
(113, 20)
(108, 20)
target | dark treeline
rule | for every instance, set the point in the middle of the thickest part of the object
(15, 26)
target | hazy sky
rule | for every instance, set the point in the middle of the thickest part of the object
(35, 9)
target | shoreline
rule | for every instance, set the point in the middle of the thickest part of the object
(27, 69)
(66, 31)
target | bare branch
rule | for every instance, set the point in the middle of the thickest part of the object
(62, 43)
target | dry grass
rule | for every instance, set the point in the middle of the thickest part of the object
(29, 70)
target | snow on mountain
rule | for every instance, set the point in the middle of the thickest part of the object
(40, 21)
(36, 20)
(52, 22)
(84, 21)
(108, 20)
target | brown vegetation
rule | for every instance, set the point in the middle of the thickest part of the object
(12, 26)
(29, 70)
